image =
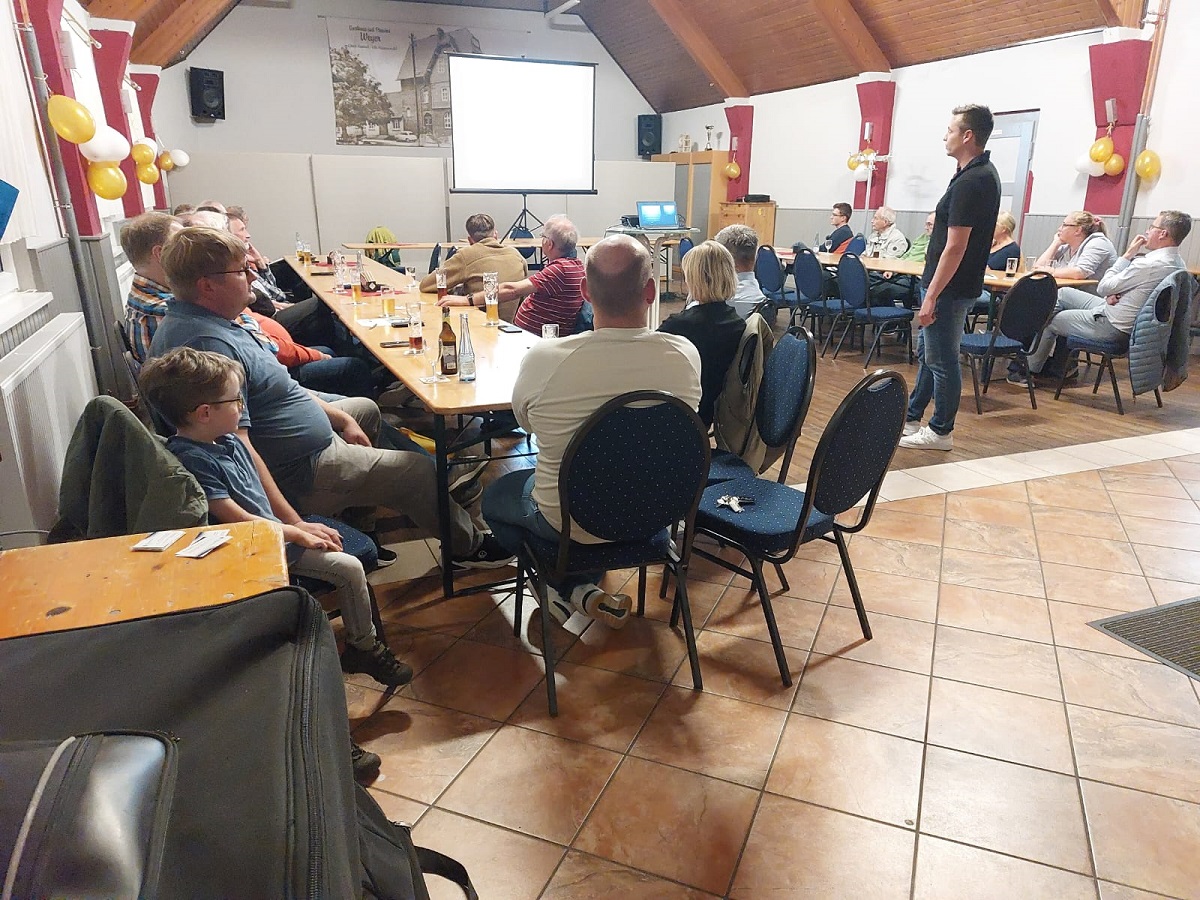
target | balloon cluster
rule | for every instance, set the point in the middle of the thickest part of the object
(1102, 159)
(104, 147)
(860, 163)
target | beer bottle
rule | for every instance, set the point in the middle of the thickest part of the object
(449, 351)
(466, 351)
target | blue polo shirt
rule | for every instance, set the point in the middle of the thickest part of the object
(287, 426)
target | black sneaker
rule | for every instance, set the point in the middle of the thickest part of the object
(378, 662)
(488, 555)
(384, 556)
(365, 764)
(1016, 378)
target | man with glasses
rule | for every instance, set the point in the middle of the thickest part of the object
(1109, 314)
(839, 218)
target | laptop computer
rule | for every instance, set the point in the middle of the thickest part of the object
(657, 215)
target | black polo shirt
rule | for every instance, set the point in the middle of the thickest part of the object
(972, 199)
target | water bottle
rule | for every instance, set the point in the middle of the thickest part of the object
(466, 352)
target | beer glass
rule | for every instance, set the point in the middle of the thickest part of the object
(441, 284)
(416, 341)
(491, 299)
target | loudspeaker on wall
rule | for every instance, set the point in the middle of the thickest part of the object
(649, 135)
(206, 90)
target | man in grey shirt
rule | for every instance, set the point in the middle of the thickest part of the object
(1111, 311)
(742, 242)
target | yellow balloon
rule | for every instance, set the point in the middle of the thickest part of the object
(1147, 165)
(147, 174)
(854, 161)
(165, 162)
(732, 170)
(107, 180)
(143, 155)
(70, 119)
(1102, 149)
(1114, 165)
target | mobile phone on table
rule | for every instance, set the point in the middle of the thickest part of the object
(510, 329)
(390, 345)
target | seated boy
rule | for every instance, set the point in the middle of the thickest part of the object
(200, 394)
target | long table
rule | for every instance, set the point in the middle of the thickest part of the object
(520, 243)
(498, 356)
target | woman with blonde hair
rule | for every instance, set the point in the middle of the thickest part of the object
(1004, 245)
(1080, 249)
(709, 320)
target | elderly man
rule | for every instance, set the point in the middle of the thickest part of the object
(484, 253)
(142, 239)
(310, 454)
(742, 242)
(563, 382)
(1109, 314)
(888, 288)
(885, 241)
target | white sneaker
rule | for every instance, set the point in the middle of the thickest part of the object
(559, 608)
(928, 439)
(611, 609)
(912, 427)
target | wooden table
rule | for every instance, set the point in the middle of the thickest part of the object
(78, 585)
(498, 356)
(533, 243)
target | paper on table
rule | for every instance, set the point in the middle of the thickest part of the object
(158, 541)
(205, 543)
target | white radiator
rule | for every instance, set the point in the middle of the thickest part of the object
(44, 384)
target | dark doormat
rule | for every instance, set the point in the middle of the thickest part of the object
(1170, 633)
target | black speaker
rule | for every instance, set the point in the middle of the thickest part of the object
(206, 90)
(649, 135)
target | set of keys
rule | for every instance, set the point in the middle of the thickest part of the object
(735, 503)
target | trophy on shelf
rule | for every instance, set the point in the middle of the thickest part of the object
(708, 130)
(685, 143)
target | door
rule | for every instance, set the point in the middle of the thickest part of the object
(1011, 146)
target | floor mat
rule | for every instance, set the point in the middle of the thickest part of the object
(1170, 633)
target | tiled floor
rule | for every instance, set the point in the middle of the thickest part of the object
(986, 743)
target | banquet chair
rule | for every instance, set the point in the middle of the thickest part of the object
(855, 290)
(769, 272)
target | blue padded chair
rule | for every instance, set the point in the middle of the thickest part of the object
(530, 253)
(685, 244)
(849, 464)
(449, 253)
(769, 272)
(855, 289)
(857, 245)
(810, 285)
(784, 395)
(1025, 311)
(435, 257)
(634, 470)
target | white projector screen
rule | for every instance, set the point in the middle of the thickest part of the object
(491, 97)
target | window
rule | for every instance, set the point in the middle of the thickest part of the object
(446, 121)
(445, 93)
(440, 67)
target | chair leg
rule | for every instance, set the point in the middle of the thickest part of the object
(1062, 379)
(547, 646)
(847, 330)
(875, 348)
(975, 384)
(1024, 363)
(641, 609)
(1112, 374)
(1099, 372)
(772, 627)
(852, 582)
(782, 578)
(520, 598)
(1158, 397)
(985, 371)
(689, 635)
(377, 619)
(829, 337)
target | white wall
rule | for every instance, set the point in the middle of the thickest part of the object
(279, 96)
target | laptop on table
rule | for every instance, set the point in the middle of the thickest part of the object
(658, 215)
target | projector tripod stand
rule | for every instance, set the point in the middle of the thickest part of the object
(520, 226)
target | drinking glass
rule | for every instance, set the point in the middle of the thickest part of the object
(413, 283)
(1010, 265)
(491, 299)
(387, 300)
(416, 341)
(550, 331)
(440, 277)
(1030, 262)
(341, 277)
(433, 352)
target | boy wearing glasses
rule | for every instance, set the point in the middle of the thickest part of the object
(200, 393)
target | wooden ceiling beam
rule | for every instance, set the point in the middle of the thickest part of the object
(128, 10)
(852, 35)
(1127, 13)
(179, 32)
(699, 47)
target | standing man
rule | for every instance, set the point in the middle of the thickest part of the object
(485, 253)
(964, 221)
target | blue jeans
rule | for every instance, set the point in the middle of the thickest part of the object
(939, 376)
(510, 512)
(343, 375)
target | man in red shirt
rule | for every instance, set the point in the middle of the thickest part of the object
(552, 296)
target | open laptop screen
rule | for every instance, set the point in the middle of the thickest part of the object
(657, 214)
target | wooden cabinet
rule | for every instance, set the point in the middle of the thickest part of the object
(699, 188)
(759, 216)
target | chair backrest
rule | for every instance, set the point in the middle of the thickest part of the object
(1027, 308)
(451, 251)
(685, 244)
(123, 334)
(789, 375)
(768, 269)
(807, 269)
(857, 446)
(435, 257)
(852, 281)
(526, 252)
(637, 465)
(857, 245)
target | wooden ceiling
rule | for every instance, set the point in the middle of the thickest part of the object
(167, 30)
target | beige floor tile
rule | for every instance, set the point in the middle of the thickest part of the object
(743, 669)
(501, 863)
(1103, 453)
(892, 595)
(496, 628)
(1089, 553)
(601, 708)
(1151, 466)
(712, 735)
(967, 507)
(413, 560)
(1166, 508)
(1171, 591)
(948, 871)
(531, 782)
(1004, 469)
(672, 823)
(869, 696)
(1136, 753)
(1004, 807)
(900, 643)
(398, 809)
(851, 769)
(953, 476)
(419, 604)
(1192, 488)
(1143, 840)
(1149, 446)
(422, 747)
(799, 850)
(644, 648)
(1172, 565)
(479, 679)
(999, 662)
(900, 485)
(1179, 535)
(1055, 462)
(807, 579)
(700, 569)
(1187, 439)
(1004, 540)
(1093, 587)
(992, 572)
(1007, 726)
(904, 526)
(740, 614)
(894, 557)
(1071, 629)
(584, 877)
(1186, 468)
(1084, 523)
(702, 597)
(930, 505)
(994, 612)
(1014, 491)
(1131, 686)
(1111, 891)
(1051, 492)
(1117, 481)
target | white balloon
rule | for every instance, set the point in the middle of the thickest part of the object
(1083, 165)
(1095, 169)
(149, 142)
(860, 173)
(109, 145)
(180, 158)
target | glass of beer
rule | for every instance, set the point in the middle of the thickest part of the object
(441, 283)
(416, 341)
(387, 300)
(355, 291)
(1010, 265)
(491, 299)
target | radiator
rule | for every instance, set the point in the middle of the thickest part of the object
(44, 384)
